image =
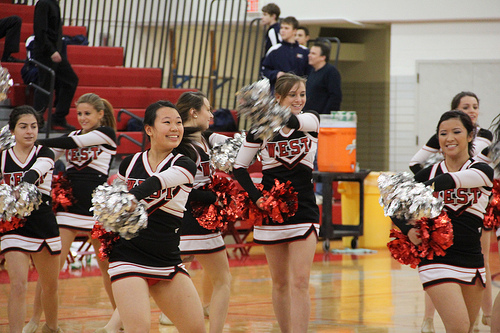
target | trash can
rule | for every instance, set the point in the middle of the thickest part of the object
(376, 224)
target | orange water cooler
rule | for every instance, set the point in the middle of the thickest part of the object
(337, 142)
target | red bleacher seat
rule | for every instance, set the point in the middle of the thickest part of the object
(84, 55)
(98, 76)
(127, 147)
(67, 30)
(26, 13)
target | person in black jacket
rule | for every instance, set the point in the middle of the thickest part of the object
(288, 56)
(47, 27)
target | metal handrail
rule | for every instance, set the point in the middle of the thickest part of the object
(131, 139)
(127, 112)
(49, 92)
(128, 137)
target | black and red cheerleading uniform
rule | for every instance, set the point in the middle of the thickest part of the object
(286, 156)
(40, 228)
(195, 239)
(466, 194)
(89, 157)
(154, 253)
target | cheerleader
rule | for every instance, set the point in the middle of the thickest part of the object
(150, 264)
(207, 245)
(39, 237)
(89, 153)
(467, 102)
(289, 246)
(455, 282)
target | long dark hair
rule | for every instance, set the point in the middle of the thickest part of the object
(19, 111)
(185, 146)
(465, 120)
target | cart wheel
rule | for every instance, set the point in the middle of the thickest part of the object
(354, 243)
(326, 245)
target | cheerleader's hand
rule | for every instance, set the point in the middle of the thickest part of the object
(260, 203)
(414, 236)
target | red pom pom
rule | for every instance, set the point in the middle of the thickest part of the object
(492, 216)
(12, 224)
(280, 203)
(436, 235)
(218, 214)
(62, 193)
(402, 249)
(107, 239)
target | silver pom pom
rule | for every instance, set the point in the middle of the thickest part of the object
(7, 202)
(112, 206)
(257, 105)
(494, 155)
(433, 159)
(223, 156)
(402, 197)
(5, 83)
(7, 140)
(29, 199)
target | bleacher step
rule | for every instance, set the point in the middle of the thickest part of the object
(84, 55)
(111, 76)
(24, 12)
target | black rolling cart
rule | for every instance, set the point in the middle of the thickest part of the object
(329, 231)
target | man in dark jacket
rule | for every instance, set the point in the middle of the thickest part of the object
(48, 50)
(288, 56)
(323, 89)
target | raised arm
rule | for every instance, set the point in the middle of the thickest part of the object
(418, 160)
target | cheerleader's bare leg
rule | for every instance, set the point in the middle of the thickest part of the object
(17, 267)
(47, 266)
(179, 300)
(278, 259)
(132, 301)
(67, 237)
(457, 304)
(495, 318)
(216, 267)
(103, 267)
(301, 259)
(114, 324)
(487, 303)
(206, 293)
